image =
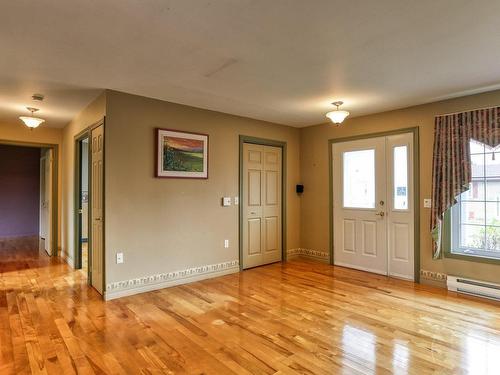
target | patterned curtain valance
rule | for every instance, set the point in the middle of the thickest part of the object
(451, 163)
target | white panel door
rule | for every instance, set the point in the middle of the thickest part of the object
(373, 213)
(400, 217)
(96, 207)
(359, 190)
(261, 205)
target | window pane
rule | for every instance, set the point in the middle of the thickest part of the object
(493, 190)
(492, 164)
(472, 236)
(476, 147)
(359, 179)
(400, 177)
(477, 165)
(478, 209)
(493, 238)
(472, 212)
(475, 192)
(493, 213)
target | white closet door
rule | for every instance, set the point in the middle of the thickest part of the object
(261, 205)
(96, 207)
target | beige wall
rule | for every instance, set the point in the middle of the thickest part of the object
(94, 112)
(18, 133)
(314, 170)
(163, 225)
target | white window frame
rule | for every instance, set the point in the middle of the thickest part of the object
(456, 223)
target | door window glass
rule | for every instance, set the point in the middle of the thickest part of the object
(359, 179)
(400, 157)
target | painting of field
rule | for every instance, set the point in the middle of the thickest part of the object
(182, 154)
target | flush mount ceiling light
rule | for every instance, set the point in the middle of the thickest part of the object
(337, 116)
(31, 121)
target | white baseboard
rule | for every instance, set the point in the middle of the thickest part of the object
(163, 280)
(308, 253)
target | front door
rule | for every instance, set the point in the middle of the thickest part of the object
(96, 207)
(373, 205)
(261, 201)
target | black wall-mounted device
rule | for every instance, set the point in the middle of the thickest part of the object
(299, 189)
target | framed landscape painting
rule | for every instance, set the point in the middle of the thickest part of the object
(181, 154)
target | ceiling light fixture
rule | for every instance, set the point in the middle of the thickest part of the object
(31, 121)
(337, 116)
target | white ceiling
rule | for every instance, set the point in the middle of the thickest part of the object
(281, 60)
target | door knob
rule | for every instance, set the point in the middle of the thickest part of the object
(381, 213)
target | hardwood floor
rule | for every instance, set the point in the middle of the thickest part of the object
(294, 318)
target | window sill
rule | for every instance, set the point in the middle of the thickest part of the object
(471, 257)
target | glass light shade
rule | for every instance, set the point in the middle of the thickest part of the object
(31, 122)
(337, 116)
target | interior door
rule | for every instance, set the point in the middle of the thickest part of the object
(359, 205)
(262, 187)
(96, 207)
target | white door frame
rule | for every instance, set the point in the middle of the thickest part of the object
(263, 142)
(416, 188)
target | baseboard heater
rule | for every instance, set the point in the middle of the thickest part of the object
(473, 287)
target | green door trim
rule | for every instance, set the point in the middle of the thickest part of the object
(416, 187)
(77, 199)
(263, 142)
(55, 188)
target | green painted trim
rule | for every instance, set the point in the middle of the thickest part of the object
(416, 187)
(77, 198)
(264, 142)
(55, 184)
(330, 199)
(28, 144)
(416, 203)
(446, 245)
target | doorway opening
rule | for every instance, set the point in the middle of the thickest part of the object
(374, 203)
(89, 204)
(262, 193)
(28, 200)
(82, 205)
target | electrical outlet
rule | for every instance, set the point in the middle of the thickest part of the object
(119, 258)
(226, 244)
(431, 275)
(226, 201)
(427, 203)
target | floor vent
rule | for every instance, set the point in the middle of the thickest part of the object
(474, 287)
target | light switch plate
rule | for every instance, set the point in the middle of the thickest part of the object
(427, 203)
(119, 258)
(236, 200)
(226, 201)
(226, 244)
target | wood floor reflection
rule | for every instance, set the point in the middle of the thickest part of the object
(294, 318)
